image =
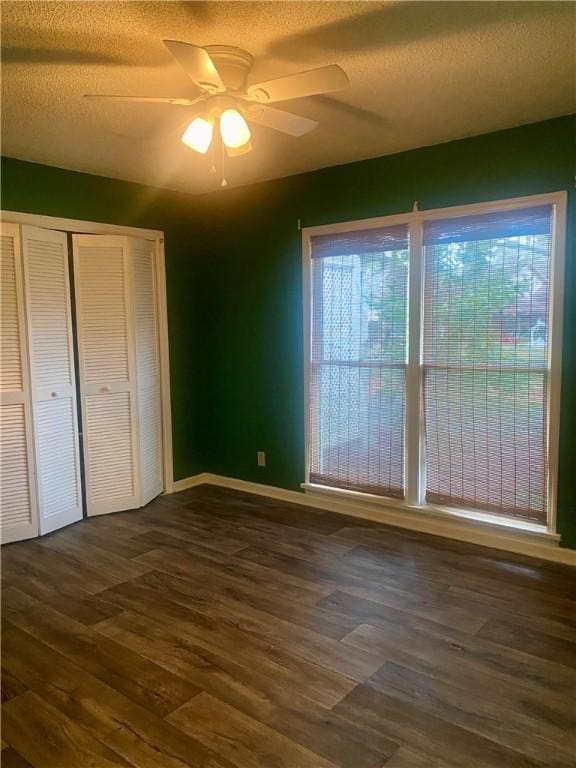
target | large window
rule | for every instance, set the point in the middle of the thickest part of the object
(433, 351)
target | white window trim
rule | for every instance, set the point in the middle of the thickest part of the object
(414, 460)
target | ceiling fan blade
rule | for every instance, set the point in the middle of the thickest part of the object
(309, 83)
(197, 64)
(287, 122)
(145, 99)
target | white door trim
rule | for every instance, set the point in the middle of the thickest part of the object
(78, 226)
(99, 228)
(163, 343)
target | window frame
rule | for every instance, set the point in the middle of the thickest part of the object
(414, 450)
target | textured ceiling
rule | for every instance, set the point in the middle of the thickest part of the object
(421, 73)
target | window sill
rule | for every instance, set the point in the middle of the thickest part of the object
(371, 505)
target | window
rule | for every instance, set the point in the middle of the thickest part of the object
(358, 364)
(432, 358)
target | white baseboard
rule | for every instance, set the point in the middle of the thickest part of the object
(469, 531)
(190, 482)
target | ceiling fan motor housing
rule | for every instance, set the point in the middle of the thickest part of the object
(233, 65)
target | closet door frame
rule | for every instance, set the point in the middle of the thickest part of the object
(97, 228)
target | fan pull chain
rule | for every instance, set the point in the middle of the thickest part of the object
(223, 183)
(213, 158)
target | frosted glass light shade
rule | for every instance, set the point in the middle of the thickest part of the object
(234, 129)
(198, 135)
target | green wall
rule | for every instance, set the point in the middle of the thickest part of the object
(33, 188)
(253, 388)
(234, 281)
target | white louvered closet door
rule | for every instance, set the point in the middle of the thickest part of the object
(107, 372)
(147, 368)
(53, 381)
(18, 506)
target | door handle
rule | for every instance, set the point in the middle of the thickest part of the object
(53, 394)
(107, 388)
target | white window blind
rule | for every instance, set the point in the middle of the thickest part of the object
(485, 350)
(358, 360)
(434, 358)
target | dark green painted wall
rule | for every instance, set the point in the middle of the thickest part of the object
(234, 281)
(253, 388)
(33, 188)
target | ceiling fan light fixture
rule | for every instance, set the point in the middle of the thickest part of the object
(198, 135)
(234, 129)
(221, 74)
(237, 151)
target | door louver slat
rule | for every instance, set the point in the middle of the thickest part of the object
(10, 350)
(14, 478)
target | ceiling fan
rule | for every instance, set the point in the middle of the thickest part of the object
(221, 74)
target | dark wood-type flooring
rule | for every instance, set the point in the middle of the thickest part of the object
(219, 629)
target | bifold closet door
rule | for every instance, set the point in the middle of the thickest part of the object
(52, 376)
(107, 372)
(18, 502)
(119, 370)
(142, 253)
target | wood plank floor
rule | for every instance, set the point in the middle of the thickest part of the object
(219, 629)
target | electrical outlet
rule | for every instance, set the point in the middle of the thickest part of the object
(261, 456)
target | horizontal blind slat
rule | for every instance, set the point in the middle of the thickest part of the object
(361, 241)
